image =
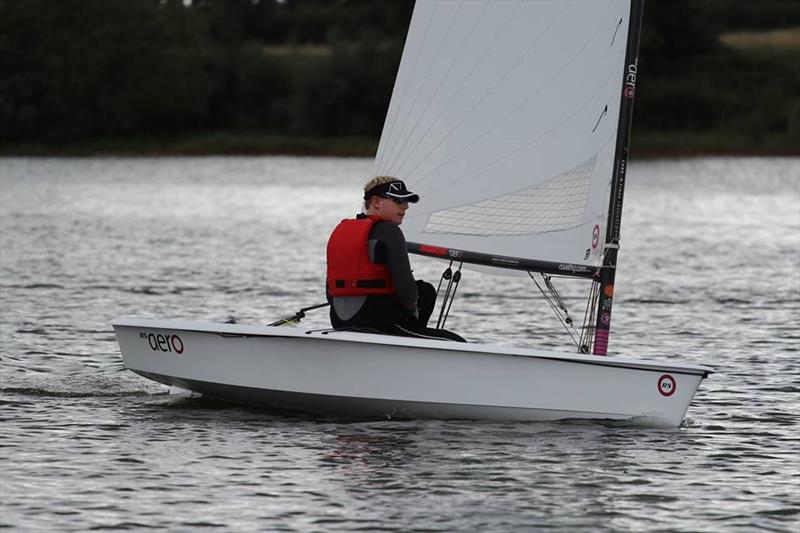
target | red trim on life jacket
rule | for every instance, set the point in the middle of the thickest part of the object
(350, 272)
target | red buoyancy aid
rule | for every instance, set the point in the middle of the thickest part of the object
(350, 272)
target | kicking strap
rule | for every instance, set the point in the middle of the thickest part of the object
(449, 295)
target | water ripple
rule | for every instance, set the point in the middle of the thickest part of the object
(87, 445)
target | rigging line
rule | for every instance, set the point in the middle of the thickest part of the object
(446, 296)
(490, 91)
(590, 313)
(469, 75)
(422, 213)
(445, 275)
(588, 318)
(401, 143)
(390, 130)
(591, 327)
(438, 88)
(456, 280)
(417, 334)
(545, 295)
(587, 311)
(554, 309)
(554, 292)
(513, 112)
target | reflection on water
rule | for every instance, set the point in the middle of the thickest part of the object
(709, 273)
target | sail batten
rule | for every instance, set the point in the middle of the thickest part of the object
(504, 120)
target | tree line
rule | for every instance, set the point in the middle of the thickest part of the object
(77, 70)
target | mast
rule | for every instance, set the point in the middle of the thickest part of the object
(608, 270)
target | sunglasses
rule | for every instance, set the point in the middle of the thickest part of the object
(398, 201)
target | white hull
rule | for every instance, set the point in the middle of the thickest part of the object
(365, 375)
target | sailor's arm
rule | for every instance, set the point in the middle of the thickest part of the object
(399, 267)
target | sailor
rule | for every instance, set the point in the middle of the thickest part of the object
(369, 282)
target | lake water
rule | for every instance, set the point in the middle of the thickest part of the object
(709, 273)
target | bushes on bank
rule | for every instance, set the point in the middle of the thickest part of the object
(80, 70)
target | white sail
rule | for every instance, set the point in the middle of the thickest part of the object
(504, 119)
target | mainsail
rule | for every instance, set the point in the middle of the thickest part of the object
(504, 118)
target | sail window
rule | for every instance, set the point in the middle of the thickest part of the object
(556, 204)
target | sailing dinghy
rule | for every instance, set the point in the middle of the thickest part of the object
(511, 120)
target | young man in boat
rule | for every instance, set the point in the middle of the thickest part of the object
(369, 282)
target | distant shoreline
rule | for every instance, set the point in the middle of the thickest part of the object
(643, 146)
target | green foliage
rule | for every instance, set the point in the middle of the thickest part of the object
(730, 15)
(80, 71)
(82, 68)
(690, 82)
